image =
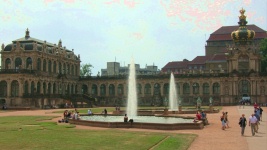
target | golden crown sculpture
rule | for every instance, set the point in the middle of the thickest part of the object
(243, 35)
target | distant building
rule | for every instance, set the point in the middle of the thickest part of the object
(215, 59)
(114, 68)
(219, 39)
(178, 67)
(37, 73)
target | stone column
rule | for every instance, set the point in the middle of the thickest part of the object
(143, 90)
(21, 84)
(152, 89)
(107, 90)
(162, 89)
(98, 89)
(8, 88)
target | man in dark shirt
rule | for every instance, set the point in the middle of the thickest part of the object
(242, 123)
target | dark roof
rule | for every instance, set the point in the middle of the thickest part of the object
(30, 40)
(224, 33)
(200, 59)
(176, 65)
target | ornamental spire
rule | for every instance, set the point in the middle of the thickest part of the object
(27, 34)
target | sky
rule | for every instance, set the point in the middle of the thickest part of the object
(151, 32)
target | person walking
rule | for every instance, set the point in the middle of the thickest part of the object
(261, 110)
(252, 123)
(223, 121)
(242, 123)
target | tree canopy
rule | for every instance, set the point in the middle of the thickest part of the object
(263, 50)
(85, 70)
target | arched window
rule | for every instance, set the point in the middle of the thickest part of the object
(111, 90)
(186, 88)
(38, 88)
(18, 63)
(59, 68)
(3, 89)
(68, 69)
(147, 88)
(15, 88)
(166, 89)
(195, 88)
(44, 65)
(39, 64)
(216, 88)
(8, 64)
(54, 88)
(206, 88)
(49, 88)
(102, 90)
(49, 66)
(54, 67)
(243, 63)
(139, 88)
(178, 88)
(29, 63)
(72, 70)
(76, 70)
(94, 89)
(76, 89)
(84, 89)
(156, 89)
(64, 68)
(72, 89)
(120, 89)
(44, 88)
(244, 87)
(68, 89)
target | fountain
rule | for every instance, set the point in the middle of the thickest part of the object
(152, 121)
(132, 96)
(172, 95)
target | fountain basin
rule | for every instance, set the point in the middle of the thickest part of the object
(172, 125)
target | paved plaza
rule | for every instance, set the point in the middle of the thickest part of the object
(212, 137)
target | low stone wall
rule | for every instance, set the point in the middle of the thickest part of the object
(156, 126)
(18, 108)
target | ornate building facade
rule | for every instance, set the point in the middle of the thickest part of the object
(37, 73)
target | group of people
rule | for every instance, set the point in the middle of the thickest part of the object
(254, 120)
(70, 114)
(201, 116)
(224, 120)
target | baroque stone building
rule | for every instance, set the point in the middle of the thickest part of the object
(37, 73)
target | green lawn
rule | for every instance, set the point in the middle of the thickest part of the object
(29, 132)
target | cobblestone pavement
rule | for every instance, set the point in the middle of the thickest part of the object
(212, 137)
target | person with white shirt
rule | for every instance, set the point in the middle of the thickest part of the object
(252, 123)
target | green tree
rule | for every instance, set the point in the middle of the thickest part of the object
(85, 70)
(263, 51)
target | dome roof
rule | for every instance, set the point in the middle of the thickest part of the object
(27, 46)
(8, 47)
(243, 35)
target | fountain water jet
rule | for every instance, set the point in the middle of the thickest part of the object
(173, 95)
(132, 96)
